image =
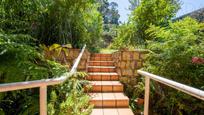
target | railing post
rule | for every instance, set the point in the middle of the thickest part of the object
(43, 100)
(147, 91)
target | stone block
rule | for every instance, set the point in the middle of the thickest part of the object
(130, 64)
(126, 55)
(127, 72)
(136, 56)
(139, 64)
(122, 64)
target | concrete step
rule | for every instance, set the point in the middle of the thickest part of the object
(101, 63)
(112, 111)
(102, 76)
(101, 69)
(106, 86)
(107, 100)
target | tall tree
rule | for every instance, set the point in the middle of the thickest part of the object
(109, 12)
(103, 9)
(133, 4)
(111, 16)
(53, 21)
(113, 13)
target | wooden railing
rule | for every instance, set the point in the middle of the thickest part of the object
(42, 84)
(181, 87)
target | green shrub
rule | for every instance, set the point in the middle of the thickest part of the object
(77, 22)
(21, 61)
(70, 98)
(172, 50)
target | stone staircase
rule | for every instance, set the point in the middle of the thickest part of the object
(107, 92)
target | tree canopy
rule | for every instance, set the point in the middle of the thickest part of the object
(54, 21)
(25, 25)
(151, 12)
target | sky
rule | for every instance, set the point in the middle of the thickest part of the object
(186, 7)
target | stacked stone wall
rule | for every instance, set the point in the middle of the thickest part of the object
(70, 56)
(127, 63)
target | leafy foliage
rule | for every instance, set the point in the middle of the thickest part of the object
(20, 56)
(133, 4)
(172, 50)
(18, 17)
(75, 22)
(26, 24)
(71, 98)
(57, 53)
(21, 61)
(111, 17)
(54, 21)
(151, 12)
(125, 32)
(109, 12)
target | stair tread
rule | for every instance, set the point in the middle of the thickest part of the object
(119, 96)
(124, 111)
(102, 53)
(102, 78)
(100, 61)
(101, 66)
(103, 73)
(91, 63)
(95, 82)
(108, 96)
(96, 96)
(105, 83)
(112, 111)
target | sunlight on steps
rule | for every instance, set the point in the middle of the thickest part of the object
(107, 92)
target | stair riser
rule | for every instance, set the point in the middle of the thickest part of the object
(101, 64)
(112, 111)
(101, 55)
(106, 88)
(102, 77)
(110, 103)
(101, 70)
(101, 59)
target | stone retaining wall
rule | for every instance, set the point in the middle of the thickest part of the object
(69, 57)
(128, 62)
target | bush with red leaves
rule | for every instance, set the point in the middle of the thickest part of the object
(197, 60)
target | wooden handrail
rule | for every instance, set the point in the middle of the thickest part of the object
(181, 87)
(42, 84)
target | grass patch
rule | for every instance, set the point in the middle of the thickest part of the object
(108, 51)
